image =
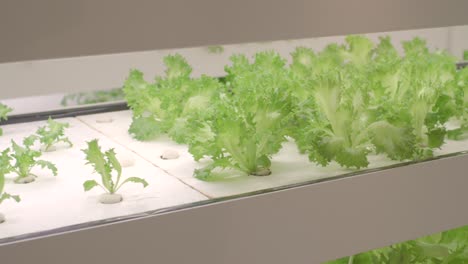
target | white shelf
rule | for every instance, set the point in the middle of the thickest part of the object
(377, 207)
(288, 166)
(57, 202)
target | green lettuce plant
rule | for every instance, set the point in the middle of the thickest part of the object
(5, 168)
(165, 106)
(416, 93)
(25, 159)
(360, 98)
(52, 133)
(105, 164)
(249, 121)
(332, 122)
(461, 132)
(4, 111)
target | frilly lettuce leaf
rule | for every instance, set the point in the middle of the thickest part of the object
(163, 106)
(249, 121)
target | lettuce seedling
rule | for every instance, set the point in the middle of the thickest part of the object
(5, 168)
(4, 111)
(105, 164)
(52, 134)
(250, 120)
(25, 159)
(165, 106)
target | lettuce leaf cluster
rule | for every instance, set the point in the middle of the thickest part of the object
(250, 119)
(361, 98)
(339, 105)
(164, 106)
(461, 131)
(104, 164)
(5, 168)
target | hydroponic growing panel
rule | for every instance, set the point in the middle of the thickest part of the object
(54, 202)
(288, 166)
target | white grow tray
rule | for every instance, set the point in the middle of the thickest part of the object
(53, 205)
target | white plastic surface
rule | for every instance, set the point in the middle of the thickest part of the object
(288, 166)
(54, 202)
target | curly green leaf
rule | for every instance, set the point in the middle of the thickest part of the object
(49, 165)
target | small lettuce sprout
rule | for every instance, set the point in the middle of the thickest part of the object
(104, 164)
(4, 111)
(5, 168)
(25, 159)
(52, 134)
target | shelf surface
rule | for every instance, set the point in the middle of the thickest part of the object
(52, 205)
(58, 203)
(288, 166)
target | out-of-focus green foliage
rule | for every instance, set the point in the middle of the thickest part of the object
(4, 111)
(95, 97)
(449, 247)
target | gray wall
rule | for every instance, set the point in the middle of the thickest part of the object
(61, 28)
